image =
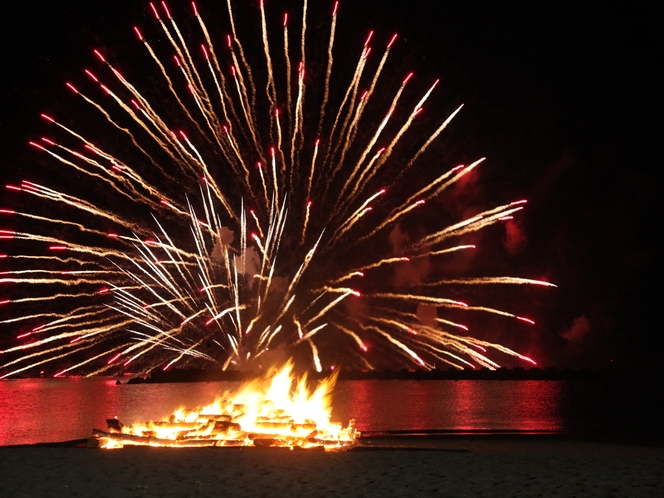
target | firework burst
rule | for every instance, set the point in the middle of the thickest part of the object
(250, 214)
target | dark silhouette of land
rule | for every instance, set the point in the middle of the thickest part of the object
(518, 373)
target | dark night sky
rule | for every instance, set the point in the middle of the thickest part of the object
(559, 98)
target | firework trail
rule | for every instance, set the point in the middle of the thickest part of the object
(249, 216)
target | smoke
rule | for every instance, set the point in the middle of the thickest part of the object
(223, 243)
(271, 357)
(398, 239)
(427, 315)
(576, 334)
(252, 264)
(411, 272)
(225, 239)
(515, 237)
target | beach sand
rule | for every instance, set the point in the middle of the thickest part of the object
(472, 467)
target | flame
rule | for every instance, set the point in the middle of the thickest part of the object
(276, 410)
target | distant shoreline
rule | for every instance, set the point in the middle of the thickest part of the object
(436, 438)
(159, 376)
(196, 375)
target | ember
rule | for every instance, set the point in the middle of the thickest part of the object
(278, 410)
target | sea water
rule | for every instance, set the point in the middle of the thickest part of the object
(52, 410)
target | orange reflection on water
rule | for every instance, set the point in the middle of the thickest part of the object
(44, 410)
(462, 405)
(531, 405)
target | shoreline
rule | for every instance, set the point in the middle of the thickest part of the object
(413, 439)
(193, 375)
(460, 466)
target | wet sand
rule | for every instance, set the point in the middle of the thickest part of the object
(472, 467)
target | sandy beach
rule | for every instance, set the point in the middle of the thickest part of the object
(458, 467)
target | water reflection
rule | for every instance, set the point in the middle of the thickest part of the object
(452, 405)
(518, 405)
(44, 410)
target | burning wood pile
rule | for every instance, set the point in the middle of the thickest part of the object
(264, 412)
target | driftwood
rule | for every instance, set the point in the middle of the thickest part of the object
(224, 426)
(114, 424)
(330, 442)
(206, 431)
(155, 441)
(218, 418)
(182, 428)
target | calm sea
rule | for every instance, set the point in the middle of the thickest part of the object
(51, 410)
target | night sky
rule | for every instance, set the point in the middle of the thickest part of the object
(561, 100)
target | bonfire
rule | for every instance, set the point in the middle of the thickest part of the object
(277, 410)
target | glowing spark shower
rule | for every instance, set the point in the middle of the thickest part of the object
(239, 210)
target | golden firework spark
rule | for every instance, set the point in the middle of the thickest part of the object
(181, 252)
